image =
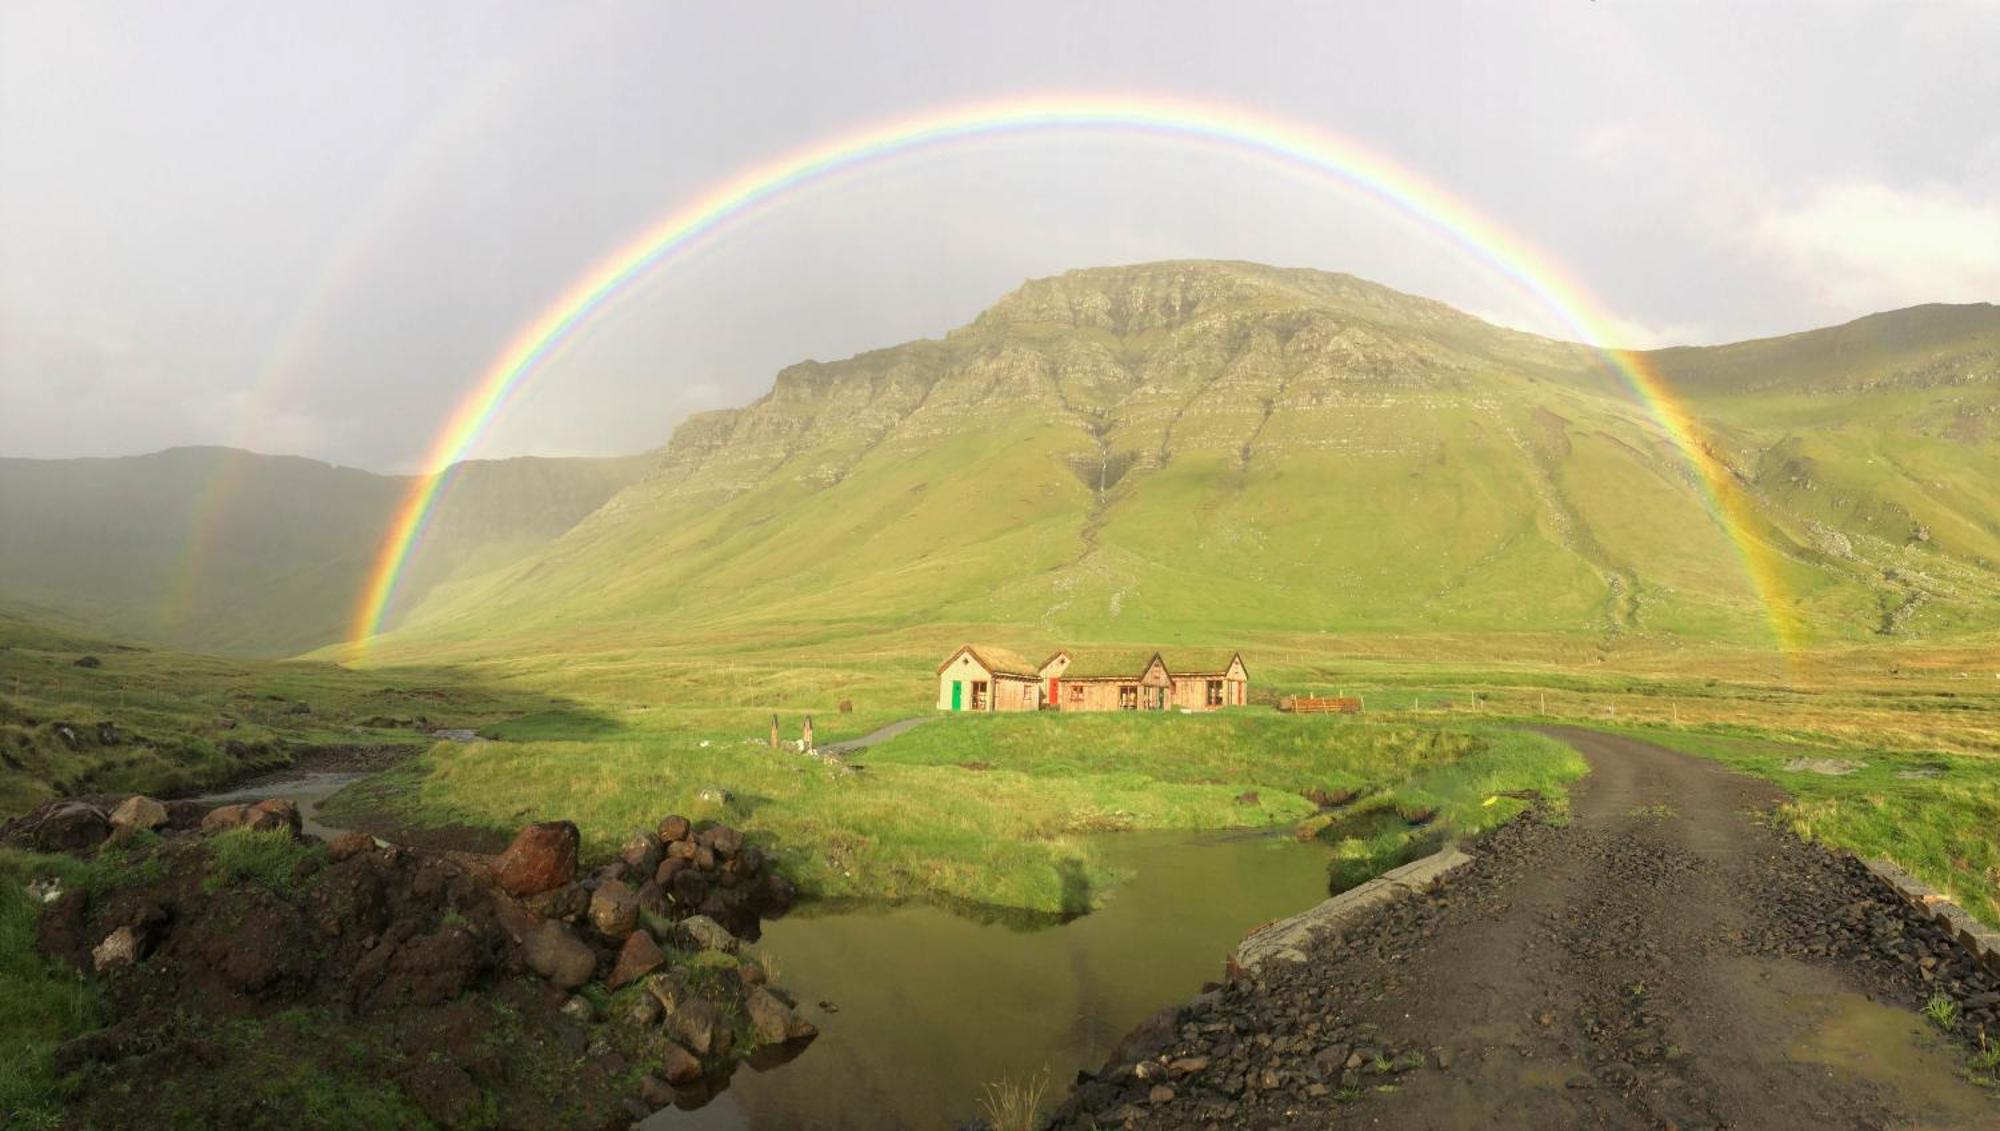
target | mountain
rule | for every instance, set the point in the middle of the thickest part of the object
(220, 550)
(1205, 452)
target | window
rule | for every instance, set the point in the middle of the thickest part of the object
(1076, 695)
(1215, 693)
(979, 695)
(1128, 696)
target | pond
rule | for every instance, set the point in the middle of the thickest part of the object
(931, 1005)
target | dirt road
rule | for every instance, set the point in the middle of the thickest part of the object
(1664, 960)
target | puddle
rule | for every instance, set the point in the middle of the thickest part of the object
(1830, 767)
(1891, 1048)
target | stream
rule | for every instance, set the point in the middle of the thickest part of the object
(930, 1005)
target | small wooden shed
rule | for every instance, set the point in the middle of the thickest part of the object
(986, 678)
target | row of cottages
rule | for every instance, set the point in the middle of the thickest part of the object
(980, 678)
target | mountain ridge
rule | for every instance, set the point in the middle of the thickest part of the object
(1074, 459)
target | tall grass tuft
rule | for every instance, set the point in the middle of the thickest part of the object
(1011, 1106)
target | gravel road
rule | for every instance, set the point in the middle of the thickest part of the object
(1664, 960)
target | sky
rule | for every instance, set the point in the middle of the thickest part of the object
(311, 228)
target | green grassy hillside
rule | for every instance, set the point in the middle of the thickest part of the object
(220, 550)
(1220, 452)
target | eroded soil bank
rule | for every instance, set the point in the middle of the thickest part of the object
(1664, 960)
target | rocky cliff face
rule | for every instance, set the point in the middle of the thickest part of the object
(1203, 448)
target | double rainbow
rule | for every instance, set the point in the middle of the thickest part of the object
(1302, 148)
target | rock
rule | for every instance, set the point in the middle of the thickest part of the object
(614, 909)
(348, 845)
(675, 828)
(777, 897)
(568, 903)
(1188, 1066)
(724, 841)
(772, 1020)
(655, 1093)
(714, 795)
(678, 1065)
(669, 868)
(644, 1012)
(579, 1009)
(682, 850)
(642, 853)
(1160, 1094)
(689, 888)
(222, 818)
(751, 974)
(119, 948)
(541, 858)
(694, 1023)
(553, 952)
(273, 814)
(705, 933)
(653, 899)
(138, 813)
(639, 957)
(87, 662)
(69, 826)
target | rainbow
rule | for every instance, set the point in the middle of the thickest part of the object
(1299, 147)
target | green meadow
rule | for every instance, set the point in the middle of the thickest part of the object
(993, 811)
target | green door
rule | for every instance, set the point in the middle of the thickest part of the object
(957, 695)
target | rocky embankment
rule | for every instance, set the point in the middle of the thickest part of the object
(244, 969)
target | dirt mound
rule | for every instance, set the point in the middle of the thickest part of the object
(251, 976)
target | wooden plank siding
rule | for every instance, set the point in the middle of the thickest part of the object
(977, 678)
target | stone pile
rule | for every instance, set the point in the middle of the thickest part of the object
(669, 893)
(363, 927)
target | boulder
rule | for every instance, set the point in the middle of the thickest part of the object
(138, 813)
(675, 828)
(642, 853)
(348, 845)
(704, 859)
(689, 888)
(222, 818)
(656, 1093)
(69, 826)
(119, 948)
(542, 858)
(553, 952)
(569, 903)
(697, 1024)
(653, 899)
(704, 933)
(678, 1065)
(274, 814)
(614, 909)
(639, 957)
(87, 662)
(725, 841)
(682, 850)
(668, 869)
(772, 1020)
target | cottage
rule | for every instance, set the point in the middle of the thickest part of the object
(993, 679)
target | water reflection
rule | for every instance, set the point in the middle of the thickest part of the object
(930, 1005)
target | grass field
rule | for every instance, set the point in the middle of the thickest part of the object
(994, 811)
(85, 716)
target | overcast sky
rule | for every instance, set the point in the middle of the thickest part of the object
(309, 228)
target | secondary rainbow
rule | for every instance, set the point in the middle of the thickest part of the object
(1300, 147)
